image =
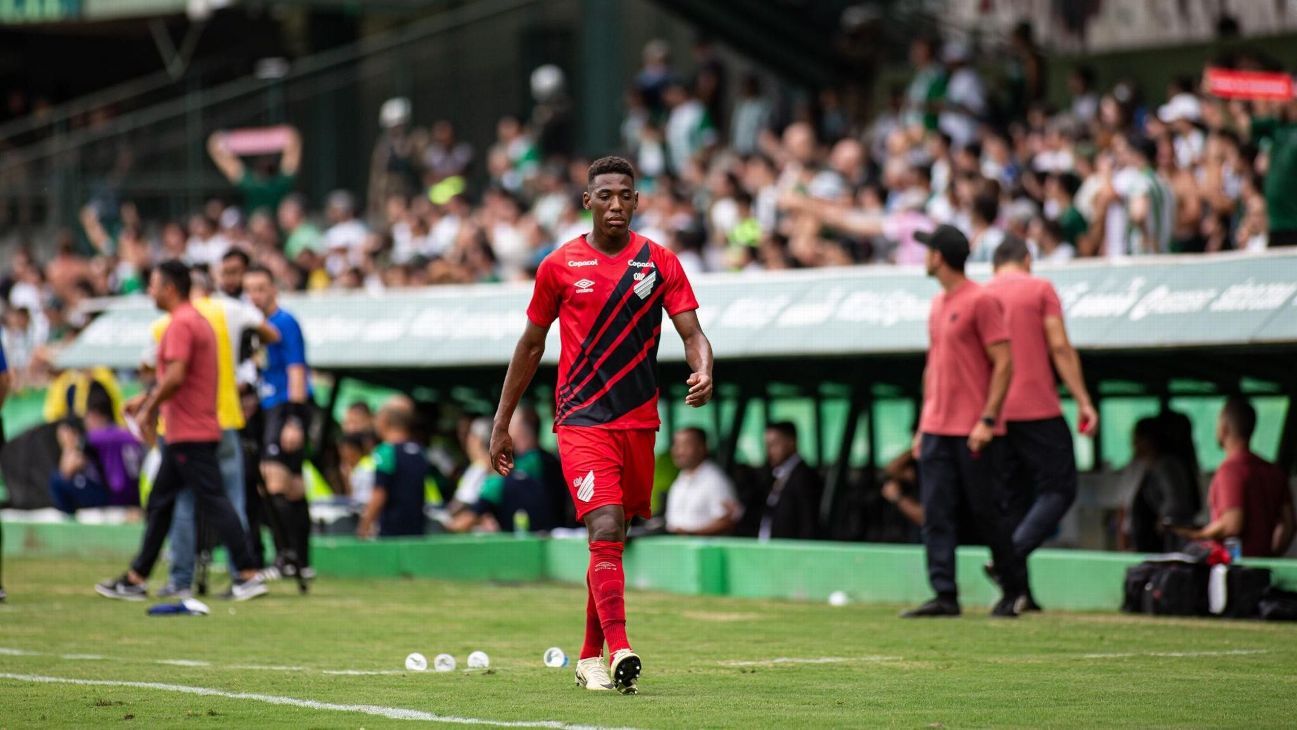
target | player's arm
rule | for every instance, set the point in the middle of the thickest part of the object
(522, 368)
(698, 353)
(1068, 364)
(290, 160)
(1001, 374)
(296, 383)
(227, 162)
(1229, 524)
(377, 500)
(267, 333)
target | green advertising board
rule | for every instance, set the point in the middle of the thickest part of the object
(1131, 305)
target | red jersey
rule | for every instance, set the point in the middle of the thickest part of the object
(1245, 481)
(1027, 302)
(961, 325)
(609, 311)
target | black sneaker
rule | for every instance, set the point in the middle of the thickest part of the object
(122, 589)
(1006, 607)
(1026, 603)
(936, 608)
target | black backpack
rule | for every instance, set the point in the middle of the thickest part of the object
(1244, 589)
(1166, 589)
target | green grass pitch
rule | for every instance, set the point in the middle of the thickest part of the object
(709, 662)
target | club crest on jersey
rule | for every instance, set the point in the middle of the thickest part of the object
(584, 486)
(584, 286)
(645, 285)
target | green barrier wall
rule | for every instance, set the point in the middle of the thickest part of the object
(1074, 580)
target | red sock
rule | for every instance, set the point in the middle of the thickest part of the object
(608, 586)
(593, 631)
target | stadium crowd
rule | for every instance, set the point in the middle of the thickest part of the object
(743, 181)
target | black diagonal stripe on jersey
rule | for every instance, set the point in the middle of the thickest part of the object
(590, 351)
(635, 388)
(644, 333)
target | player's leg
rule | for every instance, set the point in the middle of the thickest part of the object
(162, 499)
(940, 494)
(183, 549)
(277, 471)
(588, 467)
(201, 470)
(1052, 466)
(981, 477)
(637, 462)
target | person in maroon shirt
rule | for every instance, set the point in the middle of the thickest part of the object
(186, 398)
(1040, 463)
(608, 290)
(1249, 496)
(958, 443)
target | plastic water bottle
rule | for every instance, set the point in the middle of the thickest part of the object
(1234, 547)
(1217, 590)
(521, 523)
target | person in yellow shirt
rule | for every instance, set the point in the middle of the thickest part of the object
(229, 319)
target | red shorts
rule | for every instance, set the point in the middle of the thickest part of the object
(605, 466)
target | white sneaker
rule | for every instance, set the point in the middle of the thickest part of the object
(626, 668)
(247, 589)
(593, 675)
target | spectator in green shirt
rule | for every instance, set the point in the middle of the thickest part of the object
(1278, 133)
(265, 187)
(299, 234)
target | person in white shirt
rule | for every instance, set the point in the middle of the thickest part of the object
(701, 501)
(965, 103)
(345, 238)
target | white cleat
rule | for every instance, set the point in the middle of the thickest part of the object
(593, 675)
(626, 668)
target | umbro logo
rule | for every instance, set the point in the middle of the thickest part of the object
(584, 286)
(584, 486)
(644, 287)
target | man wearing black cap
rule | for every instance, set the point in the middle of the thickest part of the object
(964, 383)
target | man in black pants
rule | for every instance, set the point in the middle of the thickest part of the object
(186, 396)
(967, 375)
(1041, 467)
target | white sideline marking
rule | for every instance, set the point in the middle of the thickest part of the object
(268, 667)
(813, 660)
(1176, 654)
(83, 657)
(17, 652)
(391, 713)
(183, 662)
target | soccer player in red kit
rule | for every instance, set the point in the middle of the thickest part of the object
(607, 289)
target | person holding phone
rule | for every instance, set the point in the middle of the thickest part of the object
(1041, 466)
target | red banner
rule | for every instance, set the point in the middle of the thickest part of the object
(1229, 84)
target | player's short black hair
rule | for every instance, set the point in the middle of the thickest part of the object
(697, 433)
(240, 254)
(176, 273)
(784, 428)
(610, 165)
(1012, 250)
(259, 270)
(1241, 417)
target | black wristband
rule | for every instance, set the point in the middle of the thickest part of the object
(988, 421)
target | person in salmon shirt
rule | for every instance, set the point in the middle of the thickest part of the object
(959, 443)
(1040, 469)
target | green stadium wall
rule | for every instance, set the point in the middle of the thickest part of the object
(1074, 580)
